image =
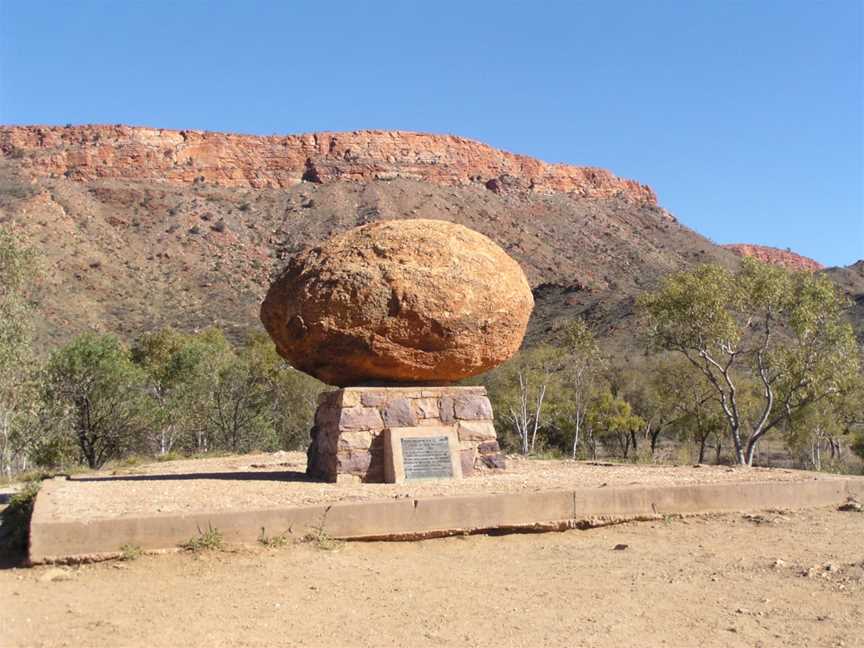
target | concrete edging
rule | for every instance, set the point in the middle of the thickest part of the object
(54, 540)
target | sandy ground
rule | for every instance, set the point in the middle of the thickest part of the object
(278, 480)
(776, 579)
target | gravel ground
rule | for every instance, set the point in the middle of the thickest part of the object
(790, 580)
(277, 480)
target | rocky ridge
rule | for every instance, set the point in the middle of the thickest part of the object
(87, 153)
(775, 256)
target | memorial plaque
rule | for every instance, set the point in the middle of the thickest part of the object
(417, 453)
(426, 457)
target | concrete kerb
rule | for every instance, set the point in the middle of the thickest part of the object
(56, 540)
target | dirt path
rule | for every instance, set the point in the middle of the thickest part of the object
(794, 579)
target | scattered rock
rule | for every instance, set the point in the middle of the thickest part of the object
(55, 574)
(762, 519)
(620, 547)
(855, 573)
(852, 505)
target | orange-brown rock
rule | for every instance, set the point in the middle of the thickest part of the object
(775, 256)
(403, 301)
(184, 157)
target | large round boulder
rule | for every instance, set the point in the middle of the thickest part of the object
(404, 301)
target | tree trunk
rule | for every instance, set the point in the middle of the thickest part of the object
(702, 443)
(7, 444)
(816, 455)
(576, 436)
(537, 416)
(742, 457)
(655, 436)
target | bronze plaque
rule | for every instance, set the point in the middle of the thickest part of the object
(426, 457)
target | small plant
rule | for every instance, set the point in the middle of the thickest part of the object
(322, 540)
(169, 456)
(275, 541)
(130, 552)
(208, 540)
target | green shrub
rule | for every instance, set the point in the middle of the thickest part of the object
(274, 541)
(130, 552)
(208, 540)
(169, 456)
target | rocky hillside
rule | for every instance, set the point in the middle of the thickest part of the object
(786, 258)
(140, 227)
(851, 281)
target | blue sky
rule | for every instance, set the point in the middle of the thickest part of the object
(745, 117)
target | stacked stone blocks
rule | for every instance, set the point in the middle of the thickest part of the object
(348, 440)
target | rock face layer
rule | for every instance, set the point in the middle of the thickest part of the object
(405, 302)
(86, 153)
(775, 256)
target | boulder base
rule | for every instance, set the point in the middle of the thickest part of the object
(399, 302)
(348, 436)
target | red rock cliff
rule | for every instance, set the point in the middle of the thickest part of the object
(775, 256)
(124, 152)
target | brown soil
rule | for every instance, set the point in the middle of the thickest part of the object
(790, 579)
(278, 480)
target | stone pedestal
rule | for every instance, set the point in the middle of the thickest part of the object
(348, 435)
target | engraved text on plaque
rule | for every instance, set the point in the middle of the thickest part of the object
(426, 457)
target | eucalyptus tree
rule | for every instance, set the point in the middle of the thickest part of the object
(18, 395)
(613, 422)
(785, 331)
(93, 392)
(581, 365)
(519, 390)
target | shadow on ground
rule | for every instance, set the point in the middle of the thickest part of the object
(282, 475)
